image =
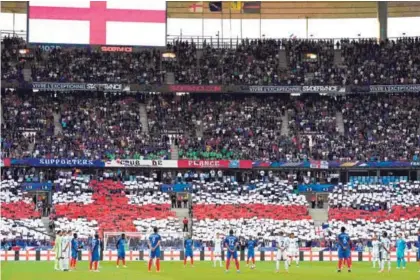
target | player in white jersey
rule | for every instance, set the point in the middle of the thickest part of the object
(66, 251)
(376, 244)
(282, 245)
(217, 252)
(293, 249)
(385, 252)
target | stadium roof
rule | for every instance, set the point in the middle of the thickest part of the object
(294, 10)
(18, 7)
(272, 10)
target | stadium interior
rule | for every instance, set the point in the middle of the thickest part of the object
(202, 135)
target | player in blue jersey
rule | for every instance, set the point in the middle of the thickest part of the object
(251, 244)
(401, 246)
(418, 247)
(344, 250)
(95, 253)
(121, 243)
(74, 251)
(231, 242)
(188, 245)
(154, 245)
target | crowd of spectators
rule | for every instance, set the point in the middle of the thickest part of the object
(259, 210)
(385, 63)
(310, 62)
(235, 128)
(109, 126)
(381, 127)
(373, 197)
(91, 65)
(250, 62)
(368, 209)
(11, 65)
(171, 115)
(23, 117)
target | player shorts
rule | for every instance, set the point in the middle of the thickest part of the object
(400, 255)
(344, 254)
(251, 254)
(74, 255)
(293, 253)
(95, 258)
(189, 254)
(232, 254)
(217, 252)
(155, 254)
(281, 254)
(121, 255)
(385, 256)
(375, 256)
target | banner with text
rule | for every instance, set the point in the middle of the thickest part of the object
(216, 164)
(79, 86)
(36, 186)
(5, 162)
(295, 89)
(395, 88)
(240, 164)
(316, 188)
(44, 162)
(320, 164)
(195, 88)
(142, 163)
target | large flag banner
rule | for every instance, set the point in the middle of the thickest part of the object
(253, 7)
(112, 22)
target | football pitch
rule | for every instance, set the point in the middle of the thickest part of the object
(202, 271)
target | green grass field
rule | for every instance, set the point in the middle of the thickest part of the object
(201, 271)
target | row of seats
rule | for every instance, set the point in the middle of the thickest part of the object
(252, 62)
(375, 196)
(376, 127)
(259, 212)
(368, 209)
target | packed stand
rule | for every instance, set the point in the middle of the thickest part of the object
(237, 128)
(110, 205)
(381, 127)
(392, 62)
(367, 209)
(184, 66)
(169, 114)
(20, 216)
(313, 58)
(251, 62)
(313, 128)
(24, 118)
(99, 127)
(108, 127)
(11, 65)
(259, 210)
(94, 66)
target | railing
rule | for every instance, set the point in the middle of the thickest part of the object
(13, 33)
(213, 41)
(231, 43)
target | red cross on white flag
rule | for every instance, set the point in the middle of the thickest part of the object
(112, 22)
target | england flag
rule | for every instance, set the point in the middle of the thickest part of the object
(113, 22)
